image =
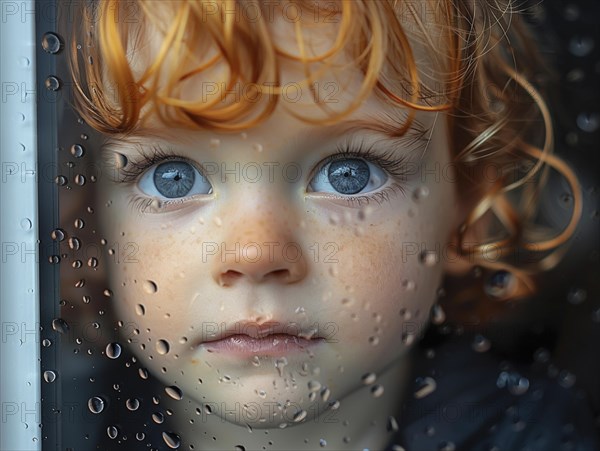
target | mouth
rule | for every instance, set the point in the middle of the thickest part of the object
(249, 339)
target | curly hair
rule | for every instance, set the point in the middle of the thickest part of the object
(480, 67)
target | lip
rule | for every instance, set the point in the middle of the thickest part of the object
(272, 339)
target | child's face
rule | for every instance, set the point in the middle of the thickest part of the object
(269, 236)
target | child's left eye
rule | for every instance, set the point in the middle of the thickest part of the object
(174, 179)
(348, 176)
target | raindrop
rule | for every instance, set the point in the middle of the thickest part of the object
(322, 442)
(113, 350)
(84, 136)
(143, 372)
(171, 439)
(140, 310)
(480, 343)
(174, 392)
(239, 448)
(60, 325)
(140, 436)
(112, 432)
(132, 404)
(588, 122)
(576, 296)
(424, 387)
(325, 394)
(49, 376)
(150, 287)
(258, 147)
(46, 343)
(207, 409)
(96, 404)
(158, 417)
(77, 150)
(54, 259)
(368, 378)
(581, 45)
(58, 234)
(314, 386)
(162, 347)
(78, 223)
(80, 179)
(255, 361)
(52, 83)
(499, 284)
(92, 262)
(74, 243)
(377, 390)
(60, 180)
(51, 43)
(374, 340)
(428, 258)
(438, 316)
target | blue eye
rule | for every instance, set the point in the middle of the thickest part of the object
(174, 179)
(348, 176)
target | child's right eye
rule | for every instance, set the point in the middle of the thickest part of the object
(174, 179)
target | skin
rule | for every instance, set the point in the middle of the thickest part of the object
(360, 276)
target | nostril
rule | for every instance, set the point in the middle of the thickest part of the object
(229, 277)
(279, 274)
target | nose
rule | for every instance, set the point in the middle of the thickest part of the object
(259, 252)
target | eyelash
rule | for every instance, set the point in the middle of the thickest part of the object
(395, 167)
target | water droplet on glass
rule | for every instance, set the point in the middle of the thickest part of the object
(52, 83)
(54, 259)
(174, 392)
(77, 150)
(143, 372)
(428, 258)
(112, 432)
(576, 296)
(424, 386)
(92, 262)
(46, 343)
(300, 416)
(140, 310)
(513, 381)
(566, 379)
(499, 284)
(446, 446)
(438, 316)
(421, 193)
(322, 442)
(60, 325)
(581, 45)
(80, 179)
(140, 436)
(78, 223)
(325, 394)
(480, 343)
(214, 143)
(158, 417)
(113, 350)
(49, 376)
(258, 147)
(171, 439)
(58, 235)
(26, 224)
(60, 180)
(392, 424)
(150, 287)
(280, 365)
(588, 122)
(96, 404)
(368, 378)
(377, 390)
(374, 340)
(162, 347)
(51, 43)
(132, 404)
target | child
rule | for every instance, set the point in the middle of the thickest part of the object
(297, 178)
